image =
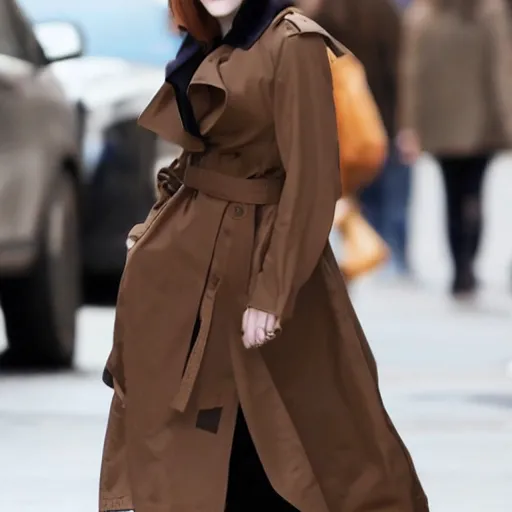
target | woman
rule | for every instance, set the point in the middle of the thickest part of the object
(237, 351)
(457, 105)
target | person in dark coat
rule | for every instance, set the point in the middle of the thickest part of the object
(456, 104)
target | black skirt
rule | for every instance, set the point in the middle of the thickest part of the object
(248, 486)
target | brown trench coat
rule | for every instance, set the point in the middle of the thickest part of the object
(223, 242)
(456, 75)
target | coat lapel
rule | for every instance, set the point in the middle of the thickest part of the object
(194, 96)
(162, 117)
(207, 95)
(207, 91)
(170, 114)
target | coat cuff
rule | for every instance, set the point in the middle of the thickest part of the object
(266, 298)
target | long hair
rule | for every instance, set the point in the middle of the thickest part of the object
(191, 16)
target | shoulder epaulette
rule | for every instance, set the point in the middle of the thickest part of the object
(305, 25)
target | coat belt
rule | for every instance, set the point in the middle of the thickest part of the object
(234, 190)
(251, 192)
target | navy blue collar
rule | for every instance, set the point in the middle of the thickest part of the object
(253, 18)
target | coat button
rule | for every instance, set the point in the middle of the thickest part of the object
(238, 211)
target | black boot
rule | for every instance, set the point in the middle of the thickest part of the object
(465, 283)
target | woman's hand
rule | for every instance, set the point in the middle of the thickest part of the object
(409, 147)
(258, 327)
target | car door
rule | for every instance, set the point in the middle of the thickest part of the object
(35, 125)
(39, 201)
(13, 108)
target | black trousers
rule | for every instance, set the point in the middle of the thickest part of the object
(463, 180)
(249, 489)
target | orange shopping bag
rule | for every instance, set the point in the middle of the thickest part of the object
(363, 248)
(363, 140)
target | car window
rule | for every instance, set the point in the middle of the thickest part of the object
(9, 43)
(134, 30)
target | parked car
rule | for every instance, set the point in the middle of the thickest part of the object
(119, 157)
(40, 184)
(127, 43)
(76, 170)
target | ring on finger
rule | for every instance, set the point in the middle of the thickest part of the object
(259, 343)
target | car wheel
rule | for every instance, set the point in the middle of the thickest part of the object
(40, 307)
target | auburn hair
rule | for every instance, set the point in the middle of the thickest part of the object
(191, 16)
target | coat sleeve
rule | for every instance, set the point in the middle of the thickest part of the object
(306, 135)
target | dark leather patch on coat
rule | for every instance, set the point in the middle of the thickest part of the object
(209, 419)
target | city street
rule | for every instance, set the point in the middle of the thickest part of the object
(443, 372)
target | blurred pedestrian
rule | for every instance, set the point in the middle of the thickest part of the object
(371, 30)
(456, 79)
(242, 378)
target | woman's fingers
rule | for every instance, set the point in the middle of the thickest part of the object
(244, 321)
(258, 327)
(270, 324)
(245, 327)
(250, 330)
(260, 334)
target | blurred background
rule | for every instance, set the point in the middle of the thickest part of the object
(76, 173)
